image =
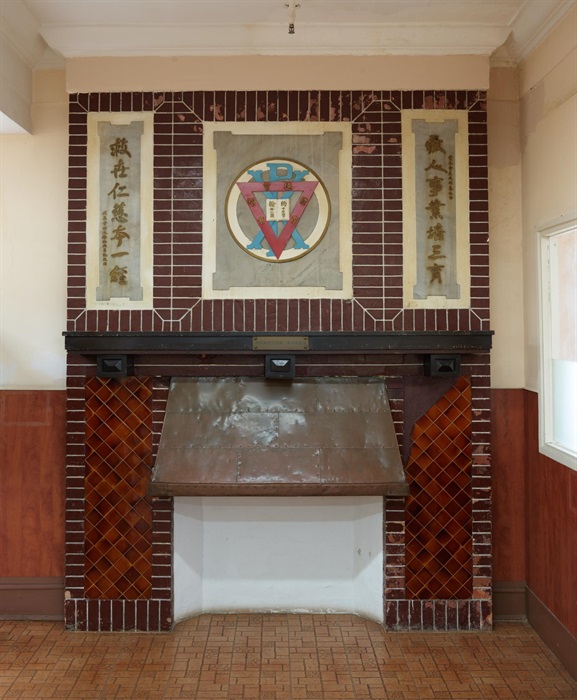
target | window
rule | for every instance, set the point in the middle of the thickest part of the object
(558, 391)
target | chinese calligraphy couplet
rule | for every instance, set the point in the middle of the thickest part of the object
(436, 221)
(120, 211)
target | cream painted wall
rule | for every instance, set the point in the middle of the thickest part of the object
(280, 72)
(548, 80)
(15, 87)
(506, 230)
(33, 243)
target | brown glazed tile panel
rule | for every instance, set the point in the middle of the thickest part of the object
(438, 544)
(118, 518)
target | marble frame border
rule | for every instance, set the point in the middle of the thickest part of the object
(210, 204)
(93, 215)
(410, 209)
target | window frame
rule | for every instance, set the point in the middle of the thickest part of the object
(547, 445)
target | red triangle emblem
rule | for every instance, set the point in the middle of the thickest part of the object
(305, 188)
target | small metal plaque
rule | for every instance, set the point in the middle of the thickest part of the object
(280, 342)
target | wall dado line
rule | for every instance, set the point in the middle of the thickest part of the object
(119, 544)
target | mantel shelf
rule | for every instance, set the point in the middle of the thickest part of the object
(142, 343)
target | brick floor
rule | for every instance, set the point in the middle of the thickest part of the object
(279, 657)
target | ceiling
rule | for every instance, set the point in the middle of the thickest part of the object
(39, 34)
(45, 32)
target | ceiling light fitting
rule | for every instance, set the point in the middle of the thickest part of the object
(292, 8)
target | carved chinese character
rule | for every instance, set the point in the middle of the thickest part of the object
(433, 165)
(435, 209)
(119, 275)
(120, 169)
(434, 144)
(120, 235)
(435, 185)
(119, 214)
(120, 147)
(436, 271)
(436, 232)
(436, 254)
(118, 191)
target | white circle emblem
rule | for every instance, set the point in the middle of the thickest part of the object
(277, 210)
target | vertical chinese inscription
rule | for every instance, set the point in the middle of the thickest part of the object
(120, 211)
(436, 220)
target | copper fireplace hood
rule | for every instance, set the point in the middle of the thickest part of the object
(309, 437)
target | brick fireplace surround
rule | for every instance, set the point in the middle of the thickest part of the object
(437, 542)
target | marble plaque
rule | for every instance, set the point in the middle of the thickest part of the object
(277, 211)
(436, 209)
(119, 217)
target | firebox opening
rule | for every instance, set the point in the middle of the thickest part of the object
(259, 554)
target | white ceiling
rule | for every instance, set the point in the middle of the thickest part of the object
(44, 32)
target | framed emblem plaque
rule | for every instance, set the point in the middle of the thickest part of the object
(277, 212)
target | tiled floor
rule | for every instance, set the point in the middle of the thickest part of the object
(234, 657)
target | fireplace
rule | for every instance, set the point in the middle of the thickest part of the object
(191, 549)
(359, 314)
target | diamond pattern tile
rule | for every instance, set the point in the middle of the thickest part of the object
(438, 537)
(118, 517)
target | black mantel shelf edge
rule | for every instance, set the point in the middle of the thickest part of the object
(143, 343)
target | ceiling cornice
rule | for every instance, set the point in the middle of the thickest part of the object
(21, 32)
(528, 29)
(232, 40)
(532, 37)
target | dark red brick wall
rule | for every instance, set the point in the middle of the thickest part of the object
(376, 204)
(376, 306)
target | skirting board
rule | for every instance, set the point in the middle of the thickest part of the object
(32, 598)
(509, 600)
(512, 600)
(557, 637)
